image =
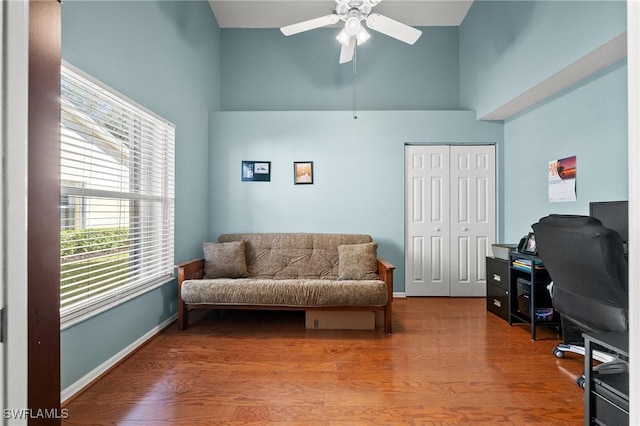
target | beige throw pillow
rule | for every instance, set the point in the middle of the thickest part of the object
(358, 262)
(224, 260)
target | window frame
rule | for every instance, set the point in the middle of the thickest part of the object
(165, 201)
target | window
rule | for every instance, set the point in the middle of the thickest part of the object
(117, 197)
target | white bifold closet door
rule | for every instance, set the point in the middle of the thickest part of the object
(449, 218)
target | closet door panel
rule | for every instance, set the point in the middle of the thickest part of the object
(427, 239)
(473, 227)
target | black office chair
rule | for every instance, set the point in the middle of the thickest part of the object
(590, 280)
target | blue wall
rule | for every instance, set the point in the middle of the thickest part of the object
(358, 170)
(265, 71)
(507, 47)
(588, 121)
(165, 56)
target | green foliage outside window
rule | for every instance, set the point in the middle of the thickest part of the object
(85, 240)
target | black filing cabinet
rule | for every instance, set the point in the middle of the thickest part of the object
(606, 396)
(498, 287)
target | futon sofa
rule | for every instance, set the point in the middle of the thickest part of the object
(287, 271)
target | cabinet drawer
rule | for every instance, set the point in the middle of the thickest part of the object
(498, 301)
(498, 272)
(610, 410)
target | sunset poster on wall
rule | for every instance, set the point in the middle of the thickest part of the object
(562, 180)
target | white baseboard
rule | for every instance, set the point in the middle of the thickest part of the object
(105, 366)
(399, 295)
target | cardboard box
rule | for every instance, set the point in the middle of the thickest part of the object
(341, 320)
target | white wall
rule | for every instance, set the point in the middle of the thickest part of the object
(14, 147)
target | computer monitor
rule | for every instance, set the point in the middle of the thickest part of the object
(613, 215)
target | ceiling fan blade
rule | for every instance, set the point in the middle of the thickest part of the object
(311, 24)
(346, 52)
(393, 28)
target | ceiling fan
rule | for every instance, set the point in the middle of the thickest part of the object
(353, 13)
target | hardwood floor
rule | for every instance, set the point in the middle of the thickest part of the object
(448, 361)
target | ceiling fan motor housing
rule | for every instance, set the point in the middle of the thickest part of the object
(347, 8)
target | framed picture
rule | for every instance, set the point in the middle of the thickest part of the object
(303, 172)
(529, 246)
(256, 171)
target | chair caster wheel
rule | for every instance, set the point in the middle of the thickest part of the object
(580, 381)
(558, 353)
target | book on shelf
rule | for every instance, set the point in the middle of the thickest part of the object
(525, 264)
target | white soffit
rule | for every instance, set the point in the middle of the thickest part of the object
(275, 14)
(598, 59)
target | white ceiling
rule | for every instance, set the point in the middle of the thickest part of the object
(278, 13)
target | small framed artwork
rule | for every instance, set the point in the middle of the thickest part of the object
(256, 171)
(529, 246)
(303, 172)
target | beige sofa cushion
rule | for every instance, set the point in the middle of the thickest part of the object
(358, 261)
(269, 292)
(224, 260)
(294, 255)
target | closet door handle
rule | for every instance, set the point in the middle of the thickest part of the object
(465, 229)
(437, 229)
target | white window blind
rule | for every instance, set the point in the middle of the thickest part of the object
(117, 197)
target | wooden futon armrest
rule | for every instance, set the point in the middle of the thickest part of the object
(385, 271)
(190, 270)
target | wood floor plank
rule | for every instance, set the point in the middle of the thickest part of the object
(449, 361)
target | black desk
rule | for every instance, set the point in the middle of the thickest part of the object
(537, 296)
(606, 396)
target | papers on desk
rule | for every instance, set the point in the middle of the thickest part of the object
(525, 264)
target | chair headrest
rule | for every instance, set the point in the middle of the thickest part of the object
(568, 220)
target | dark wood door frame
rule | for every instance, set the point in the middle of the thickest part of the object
(43, 213)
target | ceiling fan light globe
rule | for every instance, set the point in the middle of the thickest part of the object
(362, 36)
(343, 38)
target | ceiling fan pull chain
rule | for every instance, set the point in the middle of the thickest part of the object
(355, 50)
